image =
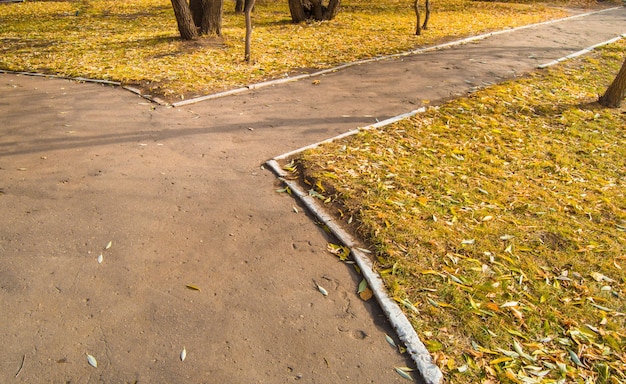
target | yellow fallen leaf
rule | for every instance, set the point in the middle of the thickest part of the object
(493, 306)
(499, 360)
(366, 294)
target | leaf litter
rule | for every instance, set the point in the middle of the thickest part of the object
(538, 293)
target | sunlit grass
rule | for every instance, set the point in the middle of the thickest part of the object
(136, 42)
(501, 218)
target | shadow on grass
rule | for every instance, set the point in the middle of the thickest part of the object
(269, 23)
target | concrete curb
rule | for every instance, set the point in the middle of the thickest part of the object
(88, 80)
(80, 79)
(581, 52)
(352, 132)
(405, 331)
(429, 371)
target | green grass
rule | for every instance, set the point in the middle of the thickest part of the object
(136, 42)
(501, 218)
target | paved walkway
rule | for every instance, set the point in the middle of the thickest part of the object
(181, 194)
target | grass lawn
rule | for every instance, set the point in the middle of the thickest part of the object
(499, 224)
(136, 41)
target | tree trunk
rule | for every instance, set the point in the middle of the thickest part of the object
(196, 11)
(239, 6)
(317, 12)
(302, 10)
(616, 92)
(332, 10)
(211, 17)
(427, 15)
(249, 4)
(418, 28)
(297, 11)
(186, 26)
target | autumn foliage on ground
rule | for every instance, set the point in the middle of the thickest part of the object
(499, 221)
(136, 42)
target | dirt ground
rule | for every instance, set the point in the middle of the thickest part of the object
(183, 198)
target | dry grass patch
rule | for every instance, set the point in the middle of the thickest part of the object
(136, 42)
(499, 223)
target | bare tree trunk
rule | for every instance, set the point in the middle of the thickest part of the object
(418, 28)
(239, 6)
(302, 10)
(212, 17)
(427, 16)
(317, 12)
(616, 92)
(297, 11)
(186, 26)
(247, 12)
(196, 11)
(332, 10)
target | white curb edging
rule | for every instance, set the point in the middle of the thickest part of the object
(581, 52)
(379, 58)
(83, 79)
(88, 80)
(400, 323)
(352, 132)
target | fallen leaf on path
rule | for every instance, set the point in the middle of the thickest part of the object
(322, 290)
(366, 294)
(92, 361)
(390, 340)
(362, 286)
(402, 373)
(341, 251)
